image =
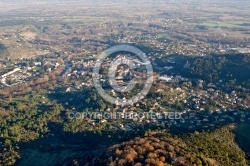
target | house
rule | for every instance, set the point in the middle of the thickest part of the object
(68, 89)
(165, 78)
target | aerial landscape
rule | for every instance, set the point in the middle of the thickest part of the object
(125, 83)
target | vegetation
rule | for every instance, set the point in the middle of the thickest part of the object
(229, 68)
(2, 47)
(242, 132)
(22, 121)
(218, 145)
(47, 53)
(162, 149)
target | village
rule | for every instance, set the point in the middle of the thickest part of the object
(200, 105)
(25, 70)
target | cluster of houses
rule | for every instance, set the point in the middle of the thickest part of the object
(191, 120)
(165, 47)
(172, 79)
(78, 68)
(26, 70)
(227, 108)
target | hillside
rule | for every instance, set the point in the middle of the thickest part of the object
(216, 148)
